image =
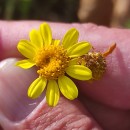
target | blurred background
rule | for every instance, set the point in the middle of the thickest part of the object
(113, 13)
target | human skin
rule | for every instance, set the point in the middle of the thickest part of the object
(102, 104)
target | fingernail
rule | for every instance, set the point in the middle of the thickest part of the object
(14, 83)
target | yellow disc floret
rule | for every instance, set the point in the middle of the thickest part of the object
(52, 61)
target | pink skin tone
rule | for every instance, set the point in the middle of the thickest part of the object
(102, 104)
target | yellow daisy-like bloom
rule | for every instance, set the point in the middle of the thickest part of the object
(54, 59)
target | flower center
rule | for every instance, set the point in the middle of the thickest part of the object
(52, 61)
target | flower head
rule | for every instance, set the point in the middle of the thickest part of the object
(54, 59)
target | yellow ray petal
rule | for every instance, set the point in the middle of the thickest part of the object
(25, 64)
(73, 61)
(67, 87)
(70, 38)
(36, 39)
(46, 33)
(26, 49)
(55, 42)
(79, 72)
(37, 87)
(52, 93)
(79, 49)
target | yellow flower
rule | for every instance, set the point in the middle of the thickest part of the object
(54, 59)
